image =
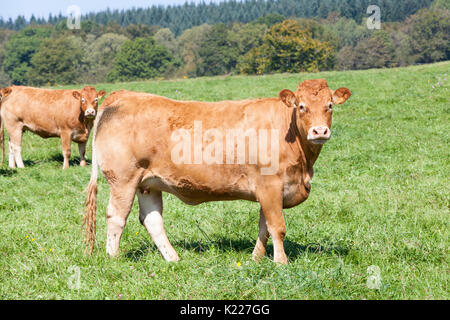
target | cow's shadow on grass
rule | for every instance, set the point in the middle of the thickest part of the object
(73, 161)
(58, 158)
(29, 163)
(7, 172)
(293, 250)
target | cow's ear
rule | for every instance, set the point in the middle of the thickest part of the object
(289, 98)
(76, 95)
(6, 92)
(341, 95)
(101, 94)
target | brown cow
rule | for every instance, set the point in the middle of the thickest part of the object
(68, 114)
(143, 145)
(3, 94)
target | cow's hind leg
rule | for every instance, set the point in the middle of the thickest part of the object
(15, 147)
(150, 215)
(120, 201)
(11, 162)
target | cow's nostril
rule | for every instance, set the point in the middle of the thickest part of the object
(319, 134)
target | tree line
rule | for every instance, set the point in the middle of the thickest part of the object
(108, 50)
(181, 17)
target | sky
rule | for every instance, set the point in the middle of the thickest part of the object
(42, 8)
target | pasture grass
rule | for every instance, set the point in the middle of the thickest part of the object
(380, 197)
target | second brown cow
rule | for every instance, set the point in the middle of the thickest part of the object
(68, 114)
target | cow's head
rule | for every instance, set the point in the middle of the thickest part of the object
(4, 93)
(88, 98)
(314, 102)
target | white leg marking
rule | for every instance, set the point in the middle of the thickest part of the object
(15, 156)
(12, 163)
(115, 226)
(18, 156)
(150, 207)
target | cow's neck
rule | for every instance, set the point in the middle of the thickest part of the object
(87, 123)
(82, 129)
(305, 152)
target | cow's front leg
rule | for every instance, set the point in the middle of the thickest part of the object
(271, 202)
(82, 149)
(65, 142)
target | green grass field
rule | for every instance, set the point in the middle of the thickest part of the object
(380, 197)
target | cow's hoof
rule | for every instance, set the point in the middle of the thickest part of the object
(83, 163)
(173, 258)
(114, 256)
(257, 255)
(281, 260)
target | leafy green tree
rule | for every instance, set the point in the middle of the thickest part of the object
(323, 32)
(349, 32)
(270, 19)
(5, 81)
(376, 52)
(166, 38)
(140, 59)
(441, 4)
(188, 47)
(245, 37)
(20, 49)
(55, 63)
(428, 36)
(287, 48)
(347, 58)
(216, 56)
(5, 35)
(140, 31)
(99, 56)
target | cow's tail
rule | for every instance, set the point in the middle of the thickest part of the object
(89, 219)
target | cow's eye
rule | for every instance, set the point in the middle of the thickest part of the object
(330, 106)
(302, 107)
(96, 100)
(83, 100)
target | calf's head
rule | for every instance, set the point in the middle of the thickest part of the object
(88, 98)
(4, 93)
(314, 103)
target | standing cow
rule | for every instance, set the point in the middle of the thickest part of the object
(3, 94)
(68, 114)
(144, 145)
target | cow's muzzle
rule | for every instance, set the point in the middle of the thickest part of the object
(319, 135)
(90, 113)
